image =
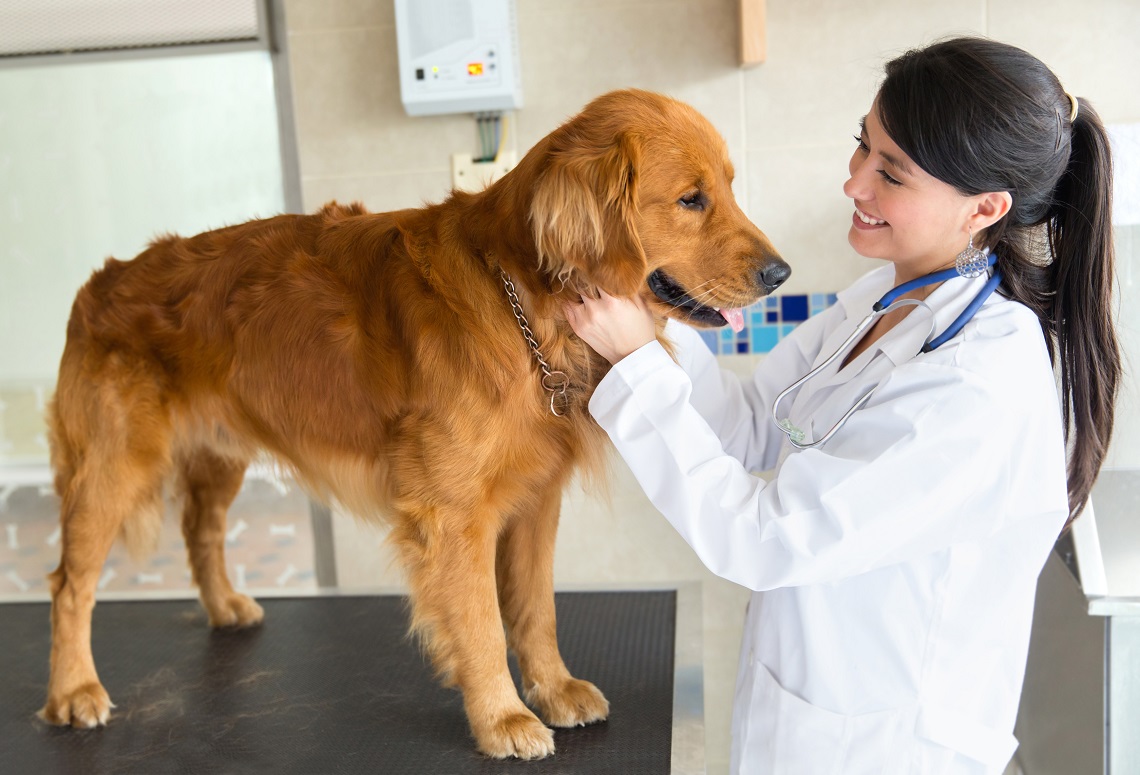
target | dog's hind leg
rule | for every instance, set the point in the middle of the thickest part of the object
(209, 484)
(111, 447)
(525, 573)
(450, 557)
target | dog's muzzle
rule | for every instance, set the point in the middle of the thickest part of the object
(773, 274)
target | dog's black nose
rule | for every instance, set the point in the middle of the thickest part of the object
(773, 274)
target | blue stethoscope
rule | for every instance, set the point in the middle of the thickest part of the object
(888, 303)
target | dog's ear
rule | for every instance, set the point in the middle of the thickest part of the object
(584, 216)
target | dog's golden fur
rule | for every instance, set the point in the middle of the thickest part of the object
(377, 357)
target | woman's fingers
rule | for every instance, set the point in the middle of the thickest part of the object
(612, 326)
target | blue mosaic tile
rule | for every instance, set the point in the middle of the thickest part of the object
(766, 323)
(793, 309)
(818, 304)
(764, 339)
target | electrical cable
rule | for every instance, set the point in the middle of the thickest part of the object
(491, 128)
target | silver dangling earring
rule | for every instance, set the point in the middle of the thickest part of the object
(971, 262)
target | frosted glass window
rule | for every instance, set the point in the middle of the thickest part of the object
(96, 159)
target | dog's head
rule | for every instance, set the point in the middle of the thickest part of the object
(636, 197)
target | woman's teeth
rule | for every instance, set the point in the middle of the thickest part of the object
(868, 219)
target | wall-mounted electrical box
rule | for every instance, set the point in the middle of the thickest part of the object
(467, 174)
(458, 56)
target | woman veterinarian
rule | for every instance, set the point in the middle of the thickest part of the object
(894, 563)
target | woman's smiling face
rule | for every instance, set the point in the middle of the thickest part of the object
(903, 214)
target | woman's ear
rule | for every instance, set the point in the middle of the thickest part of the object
(989, 209)
(584, 217)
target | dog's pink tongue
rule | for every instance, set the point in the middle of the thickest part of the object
(735, 318)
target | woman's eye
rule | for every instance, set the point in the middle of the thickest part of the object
(694, 201)
(866, 149)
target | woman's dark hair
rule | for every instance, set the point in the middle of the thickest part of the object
(985, 116)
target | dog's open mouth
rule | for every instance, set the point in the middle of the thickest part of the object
(666, 288)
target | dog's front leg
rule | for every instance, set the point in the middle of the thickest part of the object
(451, 564)
(525, 573)
(211, 483)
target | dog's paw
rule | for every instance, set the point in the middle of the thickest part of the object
(573, 703)
(520, 735)
(234, 610)
(87, 707)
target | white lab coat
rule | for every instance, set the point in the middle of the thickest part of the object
(895, 566)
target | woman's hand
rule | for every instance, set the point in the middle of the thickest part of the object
(614, 327)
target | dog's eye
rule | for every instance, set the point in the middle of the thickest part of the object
(693, 201)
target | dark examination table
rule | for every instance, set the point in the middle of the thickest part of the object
(332, 684)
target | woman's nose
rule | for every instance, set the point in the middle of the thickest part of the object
(857, 186)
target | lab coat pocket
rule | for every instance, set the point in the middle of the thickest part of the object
(964, 735)
(789, 736)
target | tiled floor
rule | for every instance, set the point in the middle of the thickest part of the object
(269, 544)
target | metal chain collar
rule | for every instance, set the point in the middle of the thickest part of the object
(554, 382)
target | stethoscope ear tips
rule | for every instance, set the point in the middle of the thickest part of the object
(795, 434)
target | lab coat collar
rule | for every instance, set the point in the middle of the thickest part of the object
(856, 301)
(905, 340)
(947, 301)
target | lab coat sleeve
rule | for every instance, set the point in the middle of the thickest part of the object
(739, 411)
(914, 470)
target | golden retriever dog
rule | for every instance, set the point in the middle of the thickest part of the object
(380, 358)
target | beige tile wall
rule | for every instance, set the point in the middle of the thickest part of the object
(787, 123)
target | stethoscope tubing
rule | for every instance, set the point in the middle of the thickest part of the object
(887, 304)
(860, 329)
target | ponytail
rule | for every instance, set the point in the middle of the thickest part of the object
(1080, 317)
(1070, 289)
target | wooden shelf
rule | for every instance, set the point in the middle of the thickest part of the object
(753, 33)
